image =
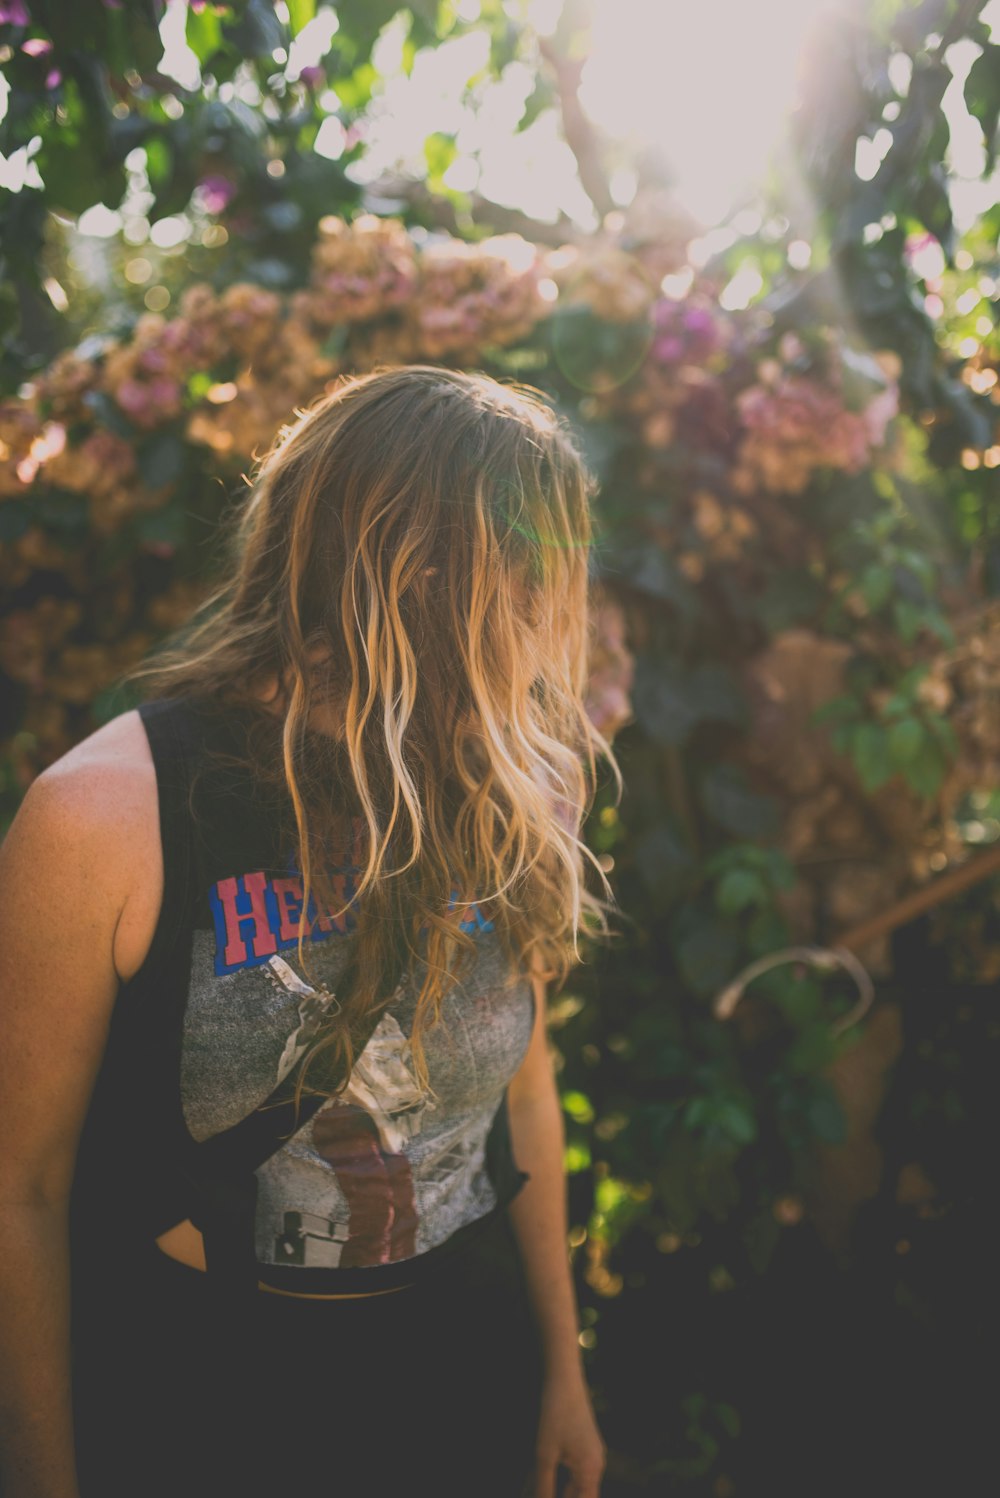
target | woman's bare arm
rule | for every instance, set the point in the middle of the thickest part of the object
(65, 876)
(568, 1433)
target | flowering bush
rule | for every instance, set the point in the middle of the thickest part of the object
(360, 271)
(734, 564)
(796, 424)
(117, 430)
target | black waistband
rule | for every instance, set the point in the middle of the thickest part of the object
(425, 1267)
(424, 1270)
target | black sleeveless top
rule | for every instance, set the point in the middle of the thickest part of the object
(380, 1184)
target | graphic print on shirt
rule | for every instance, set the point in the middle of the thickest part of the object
(360, 1135)
(383, 1171)
(257, 914)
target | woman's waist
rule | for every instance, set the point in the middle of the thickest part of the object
(185, 1245)
(444, 1261)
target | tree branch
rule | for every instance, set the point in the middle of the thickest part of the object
(581, 136)
(440, 212)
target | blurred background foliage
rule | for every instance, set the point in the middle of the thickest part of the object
(795, 418)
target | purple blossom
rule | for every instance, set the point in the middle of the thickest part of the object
(312, 76)
(667, 350)
(15, 13)
(699, 320)
(688, 332)
(216, 193)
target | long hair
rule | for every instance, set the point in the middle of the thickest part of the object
(412, 562)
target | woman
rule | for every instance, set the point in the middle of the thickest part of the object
(278, 1096)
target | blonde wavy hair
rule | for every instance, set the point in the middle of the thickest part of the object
(412, 562)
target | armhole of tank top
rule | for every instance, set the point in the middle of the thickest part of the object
(170, 759)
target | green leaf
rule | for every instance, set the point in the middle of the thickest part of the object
(836, 707)
(203, 32)
(109, 414)
(159, 161)
(738, 889)
(789, 597)
(707, 954)
(699, 1113)
(540, 98)
(909, 619)
(166, 527)
(841, 738)
(926, 772)
(660, 701)
(905, 740)
(735, 806)
(257, 32)
(932, 201)
(355, 91)
(300, 12)
(944, 731)
(578, 1106)
(870, 752)
(76, 171)
(670, 698)
(199, 384)
(781, 870)
(648, 569)
(59, 510)
(800, 999)
(440, 151)
(826, 1117)
(767, 931)
(727, 1417)
(161, 459)
(737, 1119)
(576, 1157)
(876, 586)
(982, 97)
(811, 1052)
(362, 20)
(663, 861)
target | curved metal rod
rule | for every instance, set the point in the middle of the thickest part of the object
(824, 958)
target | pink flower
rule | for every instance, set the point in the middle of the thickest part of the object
(796, 425)
(15, 13)
(36, 46)
(146, 401)
(132, 396)
(152, 361)
(917, 242)
(879, 412)
(688, 331)
(668, 350)
(216, 193)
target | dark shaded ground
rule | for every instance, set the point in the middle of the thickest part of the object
(820, 1381)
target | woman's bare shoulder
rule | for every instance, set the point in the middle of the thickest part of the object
(119, 748)
(99, 799)
(80, 877)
